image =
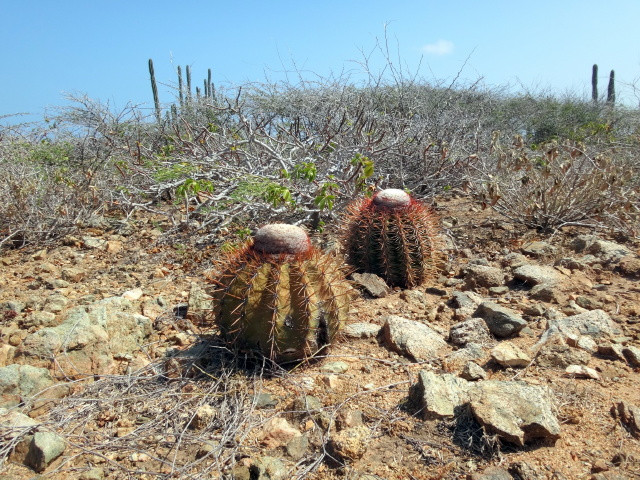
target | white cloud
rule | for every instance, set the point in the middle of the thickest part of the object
(441, 47)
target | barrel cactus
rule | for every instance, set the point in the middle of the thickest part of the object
(393, 236)
(280, 295)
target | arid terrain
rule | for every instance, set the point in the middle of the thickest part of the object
(129, 380)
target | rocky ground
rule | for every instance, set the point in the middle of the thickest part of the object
(520, 361)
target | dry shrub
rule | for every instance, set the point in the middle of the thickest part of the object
(556, 184)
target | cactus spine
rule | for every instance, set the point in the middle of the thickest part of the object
(154, 89)
(393, 236)
(594, 83)
(280, 295)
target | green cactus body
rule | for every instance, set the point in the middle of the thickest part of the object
(288, 303)
(393, 236)
(611, 89)
(154, 89)
(180, 88)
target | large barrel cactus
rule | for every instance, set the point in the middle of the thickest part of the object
(280, 295)
(393, 236)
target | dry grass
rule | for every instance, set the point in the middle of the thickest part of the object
(146, 424)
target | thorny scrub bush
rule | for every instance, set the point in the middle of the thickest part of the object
(554, 184)
(49, 187)
(299, 153)
(541, 118)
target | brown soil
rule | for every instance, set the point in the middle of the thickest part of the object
(376, 383)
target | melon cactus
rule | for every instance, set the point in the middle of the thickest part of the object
(393, 236)
(280, 295)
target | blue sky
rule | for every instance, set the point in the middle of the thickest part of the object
(101, 48)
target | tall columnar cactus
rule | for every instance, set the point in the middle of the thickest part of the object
(611, 90)
(154, 89)
(180, 90)
(393, 236)
(209, 84)
(280, 295)
(188, 83)
(594, 83)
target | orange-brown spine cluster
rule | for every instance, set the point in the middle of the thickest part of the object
(281, 295)
(393, 236)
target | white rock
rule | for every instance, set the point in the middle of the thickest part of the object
(580, 371)
(509, 355)
(134, 294)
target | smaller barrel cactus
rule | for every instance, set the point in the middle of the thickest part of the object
(280, 295)
(393, 236)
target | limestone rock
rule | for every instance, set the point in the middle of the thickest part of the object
(268, 468)
(502, 322)
(297, 447)
(55, 303)
(632, 354)
(89, 338)
(537, 274)
(557, 354)
(571, 263)
(471, 330)
(482, 276)
(514, 260)
(471, 352)
(277, 432)
(583, 342)
(414, 339)
(361, 330)
(12, 306)
(337, 367)
(629, 415)
(507, 354)
(595, 323)
(93, 242)
(350, 443)
(538, 249)
(609, 252)
(465, 303)
(202, 417)
(515, 411)
(630, 266)
(472, 372)
(45, 448)
(73, 275)
(7, 354)
(21, 382)
(496, 291)
(492, 473)
(38, 319)
(348, 418)
(547, 293)
(524, 471)
(200, 302)
(581, 371)
(266, 400)
(372, 284)
(437, 396)
(16, 420)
